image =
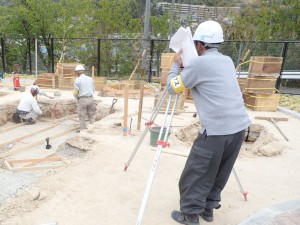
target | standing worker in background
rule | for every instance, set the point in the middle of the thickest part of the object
(28, 108)
(83, 91)
(212, 79)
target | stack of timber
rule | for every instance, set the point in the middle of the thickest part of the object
(117, 89)
(179, 106)
(47, 80)
(63, 78)
(167, 60)
(259, 90)
(66, 75)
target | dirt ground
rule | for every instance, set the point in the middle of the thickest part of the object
(94, 189)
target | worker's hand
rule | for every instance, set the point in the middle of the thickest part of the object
(177, 58)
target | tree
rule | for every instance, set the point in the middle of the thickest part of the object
(24, 20)
(267, 20)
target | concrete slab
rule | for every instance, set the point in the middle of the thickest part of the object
(287, 213)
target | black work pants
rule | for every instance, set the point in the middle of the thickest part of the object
(207, 170)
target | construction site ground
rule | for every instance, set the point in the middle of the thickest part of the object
(90, 185)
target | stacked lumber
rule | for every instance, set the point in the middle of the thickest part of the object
(63, 78)
(117, 89)
(47, 80)
(259, 90)
(167, 60)
(66, 75)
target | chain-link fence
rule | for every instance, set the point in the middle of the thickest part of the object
(117, 58)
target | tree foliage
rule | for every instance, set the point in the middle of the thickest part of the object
(267, 20)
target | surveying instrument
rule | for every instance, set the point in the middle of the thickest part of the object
(161, 142)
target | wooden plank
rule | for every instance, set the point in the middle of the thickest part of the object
(269, 118)
(11, 127)
(16, 150)
(35, 168)
(33, 163)
(27, 135)
(9, 163)
(36, 160)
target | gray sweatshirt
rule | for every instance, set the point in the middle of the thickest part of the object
(215, 89)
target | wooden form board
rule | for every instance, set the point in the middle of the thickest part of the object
(263, 65)
(132, 93)
(179, 105)
(261, 102)
(28, 135)
(47, 80)
(166, 61)
(16, 150)
(11, 127)
(260, 84)
(10, 164)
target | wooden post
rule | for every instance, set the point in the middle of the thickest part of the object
(125, 128)
(53, 81)
(93, 72)
(140, 105)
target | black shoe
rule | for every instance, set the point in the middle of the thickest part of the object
(30, 121)
(188, 219)
(207, 215)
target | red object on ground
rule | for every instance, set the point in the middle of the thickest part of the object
(16, 82)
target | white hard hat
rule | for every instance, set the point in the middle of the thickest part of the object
(35, 88)
(209, 32)
(79, 67)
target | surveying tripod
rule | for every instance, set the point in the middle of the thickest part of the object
(160, 144)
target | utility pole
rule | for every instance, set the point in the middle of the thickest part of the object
(171, 23)
(146, 34)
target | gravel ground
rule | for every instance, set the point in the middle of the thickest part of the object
(14, 182)
(11, 183)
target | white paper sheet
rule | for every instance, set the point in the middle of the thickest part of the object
(182, 39)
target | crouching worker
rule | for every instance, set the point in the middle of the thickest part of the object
(28, 108)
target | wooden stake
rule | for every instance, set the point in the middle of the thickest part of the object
(93, 72)
(125, 128)
(140, 105)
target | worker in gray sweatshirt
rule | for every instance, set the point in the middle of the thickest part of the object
(211, 77)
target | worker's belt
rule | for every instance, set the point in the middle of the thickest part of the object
(22, 113)
(85, 96)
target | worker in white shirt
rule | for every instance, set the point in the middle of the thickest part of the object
(84, 89)
(42, 93)
(28, 108)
